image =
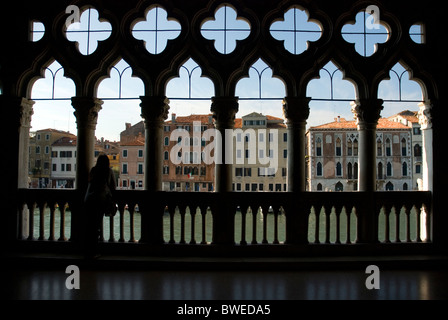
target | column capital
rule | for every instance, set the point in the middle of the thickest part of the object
(367, 111)
(86, 111)
(26, 112)
(224, 110)
(425, 115)
(154, 109)
(296, 109)
(24, 107)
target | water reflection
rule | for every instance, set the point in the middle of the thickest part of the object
(243, 285)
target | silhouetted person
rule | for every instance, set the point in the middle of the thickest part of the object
(98, 201)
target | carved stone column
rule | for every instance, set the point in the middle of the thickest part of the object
(224, 110)
(17, 145)
(296, 111)
(25, 113)
(425, 121)
(367, 112)
(86, 113)
(154, 112)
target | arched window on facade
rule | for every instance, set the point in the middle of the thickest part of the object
(338, 169)
(379, 148)
(404, 149)
(388, 148)
(318, 147)
(380, 170)
(338, 147)
(389, 169)
(349, 171)
(319, 169)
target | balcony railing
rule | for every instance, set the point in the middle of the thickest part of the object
(235, 223)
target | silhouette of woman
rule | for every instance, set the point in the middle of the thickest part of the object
(98, 201)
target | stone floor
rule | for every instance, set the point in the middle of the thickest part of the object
(31, 279)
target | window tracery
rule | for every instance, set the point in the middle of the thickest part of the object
(156, 30)
(296, 30)
(88, 31)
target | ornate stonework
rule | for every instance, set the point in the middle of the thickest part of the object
(424, 115)
(154, 109)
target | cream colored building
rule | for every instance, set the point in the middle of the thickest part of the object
(410, 119)
(259, 153)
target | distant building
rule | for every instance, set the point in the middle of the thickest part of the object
(192, 173)
(260, 153)
(189, 171)
(332, 156)
(40, 160)
(131, 174)
(112, 150)
(63, 163)
(410, 119)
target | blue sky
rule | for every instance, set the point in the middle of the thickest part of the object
(295, 31)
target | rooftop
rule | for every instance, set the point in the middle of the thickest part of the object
(342, 123)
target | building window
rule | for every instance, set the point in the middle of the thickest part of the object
(319, 169)
(166, 155)
(389, 169)
(404, 168)
(124, 168)
(417, 131)
(166, 170)
(349, 171)
(140, 153)
(338, 147)
(319, 187)
(404, 149)
(417, 151)
(418, 169)
(318, 147)
(379, 149)
(355, 147)
(355, 171)
(338, 169)
(349, 147)
(125, 153)
(388, 148)
(239, 172)
(140, 168)
(380, 170)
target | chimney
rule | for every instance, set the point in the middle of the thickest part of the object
(173, 117)
(210, 119)
(127, 125)
(339, 119)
